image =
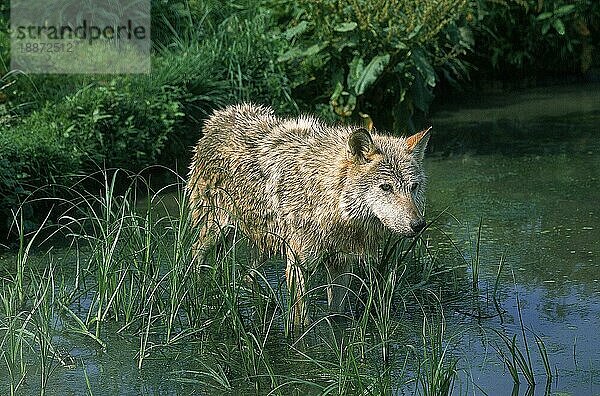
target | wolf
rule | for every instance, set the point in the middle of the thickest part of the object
(311, 191)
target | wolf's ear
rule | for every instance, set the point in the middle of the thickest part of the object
(360, 144)
(418, 142)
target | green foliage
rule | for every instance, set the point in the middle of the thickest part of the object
(531, 37)
(249, 53)
(236, 38)
(32, 154)
(179, 18)
(4, 51)
(4, 17)
(350, 61)
(121, 123)
(328, 56)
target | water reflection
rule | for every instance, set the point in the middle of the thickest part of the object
(533, 179)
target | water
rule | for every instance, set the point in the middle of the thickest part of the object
(528, 168)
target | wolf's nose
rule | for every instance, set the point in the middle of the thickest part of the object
(417, 224)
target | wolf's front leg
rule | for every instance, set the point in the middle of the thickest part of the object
(338, 287)
(294, 275)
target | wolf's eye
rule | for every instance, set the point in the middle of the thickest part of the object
(413, 186)
(386, 187)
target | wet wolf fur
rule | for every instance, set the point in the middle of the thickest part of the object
(306, 189)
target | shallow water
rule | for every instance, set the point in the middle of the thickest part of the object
(526, 166)
(529, 170)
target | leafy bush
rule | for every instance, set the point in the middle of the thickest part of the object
(348, 61)
(32, 155)
(4, 51)
(122, 123)
(518, 38)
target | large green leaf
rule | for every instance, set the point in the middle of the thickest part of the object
(369, 74)
(292, 53)
(544, 15)
(356, 69)
(564, 10)
(422, 64)
(559, 26)
(296, 30)
(337, 92)
(296, 52)
(545, 27)
(345, 27)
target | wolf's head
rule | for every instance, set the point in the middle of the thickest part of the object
(385, 180)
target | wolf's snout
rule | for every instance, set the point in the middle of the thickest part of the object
(417, 224)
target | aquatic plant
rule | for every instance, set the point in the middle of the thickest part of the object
(125, 270)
